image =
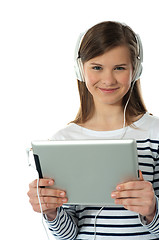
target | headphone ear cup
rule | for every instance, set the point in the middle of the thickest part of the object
(138, 68)
(78, 66)
(137, 72)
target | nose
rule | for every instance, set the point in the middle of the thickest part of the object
(108, 78)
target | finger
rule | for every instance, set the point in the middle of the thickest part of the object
(129, 194)
(144, 211)
(137, 209)
(48, 200)
(45, 207)
(141, 176)
(140, 185)
(142, 194)
(42, 183)
(47, 192)
(52, 192)
(130, 202)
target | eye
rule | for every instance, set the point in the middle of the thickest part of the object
(97, 68)
(119, 68)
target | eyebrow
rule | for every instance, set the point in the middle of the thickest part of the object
(122, 64)
(96, 64)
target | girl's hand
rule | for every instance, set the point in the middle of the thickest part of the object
(137, 196)
(50, 199)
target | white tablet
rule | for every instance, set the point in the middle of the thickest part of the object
(88, 170)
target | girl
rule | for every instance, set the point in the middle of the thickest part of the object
(108, 66)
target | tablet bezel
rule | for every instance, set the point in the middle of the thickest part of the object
(82, 149)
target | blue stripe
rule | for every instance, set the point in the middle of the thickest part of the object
(109, 217)
(116, 234)
(98, 208)
(147, 165)
(148, 148)
(148, 140)
(111, 225)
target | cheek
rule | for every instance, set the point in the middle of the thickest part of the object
(126, 79)
(90, 79)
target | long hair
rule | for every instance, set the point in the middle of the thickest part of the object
(98, 40)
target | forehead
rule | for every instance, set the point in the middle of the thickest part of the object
(119, 54)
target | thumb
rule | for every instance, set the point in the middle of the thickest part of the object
(141, 176)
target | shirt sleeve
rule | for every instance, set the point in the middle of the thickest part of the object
(64, 226)
(153, 227)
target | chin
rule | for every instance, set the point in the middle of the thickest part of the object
(109, 101)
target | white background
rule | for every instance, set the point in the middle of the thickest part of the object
(38, 93)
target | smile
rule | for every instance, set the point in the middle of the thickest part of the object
(108, 90)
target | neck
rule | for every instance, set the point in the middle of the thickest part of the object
(106, 118)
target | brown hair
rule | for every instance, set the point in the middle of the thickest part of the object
(99, 39)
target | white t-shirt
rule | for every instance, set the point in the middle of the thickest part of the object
(115, 222)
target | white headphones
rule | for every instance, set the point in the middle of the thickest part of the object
(78, 65)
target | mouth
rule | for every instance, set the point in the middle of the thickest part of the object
(108, 90)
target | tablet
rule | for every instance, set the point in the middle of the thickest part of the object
(88, 170)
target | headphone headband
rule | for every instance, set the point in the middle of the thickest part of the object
(78, 66)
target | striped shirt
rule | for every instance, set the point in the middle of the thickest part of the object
(113, 222)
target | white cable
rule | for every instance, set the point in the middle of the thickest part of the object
(95, 221)
(124, 124)
(28, 151)
(42, 218)
(125, 129)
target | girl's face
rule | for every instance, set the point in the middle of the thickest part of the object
(108, 77)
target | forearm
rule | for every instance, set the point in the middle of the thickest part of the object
(150, 218)
(64, 225)
(152, 222)
(50, 216)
